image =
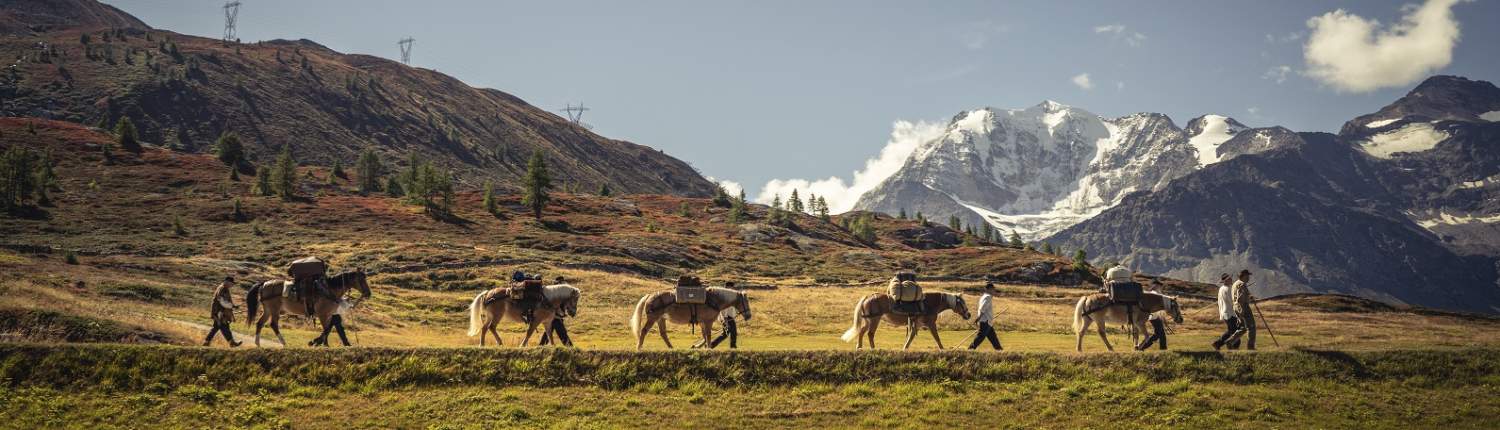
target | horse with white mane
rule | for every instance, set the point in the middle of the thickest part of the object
(656, 308)
(871, 308)
(494, 305)
(1097, 308)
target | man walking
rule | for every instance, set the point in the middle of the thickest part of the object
(222, 312)
(730, 330)
(984, 316)
(1242, 302)
(558, 328)
(1226, 313)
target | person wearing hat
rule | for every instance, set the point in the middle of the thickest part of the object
(1242, 302)
(1226, 313)
(983, 317)
(222, 312)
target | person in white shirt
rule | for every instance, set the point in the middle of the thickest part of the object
(984, 316)
(1226, 312)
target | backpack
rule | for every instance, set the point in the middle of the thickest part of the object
(306, 267)
(1123, 292)
(690, 290)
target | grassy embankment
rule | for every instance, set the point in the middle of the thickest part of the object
(118, 386)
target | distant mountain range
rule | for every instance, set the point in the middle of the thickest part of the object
(1402, 205)
(90, 63)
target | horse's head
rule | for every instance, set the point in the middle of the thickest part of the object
(742, 304)
(956, 303)
(1173, 309)
(567, 303)
(355, 279)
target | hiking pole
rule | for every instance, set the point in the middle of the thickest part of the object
(1263, 321)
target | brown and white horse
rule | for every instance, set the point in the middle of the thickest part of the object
(560, 299)
(657, 308)
(868, 311)
(1096, 308)
(271, 293)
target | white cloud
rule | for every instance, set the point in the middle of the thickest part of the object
(731, 187)
(1277, 73)
(906, 136)
(1254, 111)
(977, 35)
(1111, 28)
(1082, 81)
(1355, 54)
(1121, 33)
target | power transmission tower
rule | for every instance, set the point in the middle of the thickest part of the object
(406, 49)
(575, 114)
(231, 14)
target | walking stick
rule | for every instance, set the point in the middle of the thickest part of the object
(1263, 321)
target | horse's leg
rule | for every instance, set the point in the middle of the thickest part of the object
(661, 326)
(708, 331)
(276, 327)
(1082, 330)
(932, 327)
(259, 324)
(327, 325)
(1104, 338)
(870, 331)
(530, 328)
(911, 333)
(338, 324)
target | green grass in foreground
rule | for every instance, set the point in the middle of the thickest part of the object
(108, 386)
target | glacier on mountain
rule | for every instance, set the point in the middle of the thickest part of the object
(1038, 170)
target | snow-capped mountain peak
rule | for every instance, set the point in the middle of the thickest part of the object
(1040, 169)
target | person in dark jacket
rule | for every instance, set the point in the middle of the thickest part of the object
(730, 330)
(222, 312)
(558, 328)
(1158, 328)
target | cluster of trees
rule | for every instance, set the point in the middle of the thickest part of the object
(25, 179)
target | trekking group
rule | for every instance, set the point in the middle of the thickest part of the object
(535, 304)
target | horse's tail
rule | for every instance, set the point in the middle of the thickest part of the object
(640, 313)
(252, 302)
(1078, 315)
(853, 331)
(476, 316)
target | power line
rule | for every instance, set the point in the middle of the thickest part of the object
(231, 14)
(406, 49)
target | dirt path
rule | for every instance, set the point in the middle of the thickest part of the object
(248, 339)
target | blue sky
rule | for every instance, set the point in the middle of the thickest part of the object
(754, 91)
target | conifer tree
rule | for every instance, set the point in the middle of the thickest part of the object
(489, 199)
(1047, 248)
(604, 190)
(537, 183)
(338, 170)
(238, 214)
(863, 228)
(229, 150)
(793, 203)
(369, 170)
(736, 211)
(902, 215)
(822, 208)
(1015, 239)
(955, 223)
(393, 187)
(263, 181)
(284, 174)
(125, 135)
(17, 177)
(1081, 261)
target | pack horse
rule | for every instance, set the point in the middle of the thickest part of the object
(903, 304)
(690, 303)
(1122, 302)
(310, 293)
(526, 302)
